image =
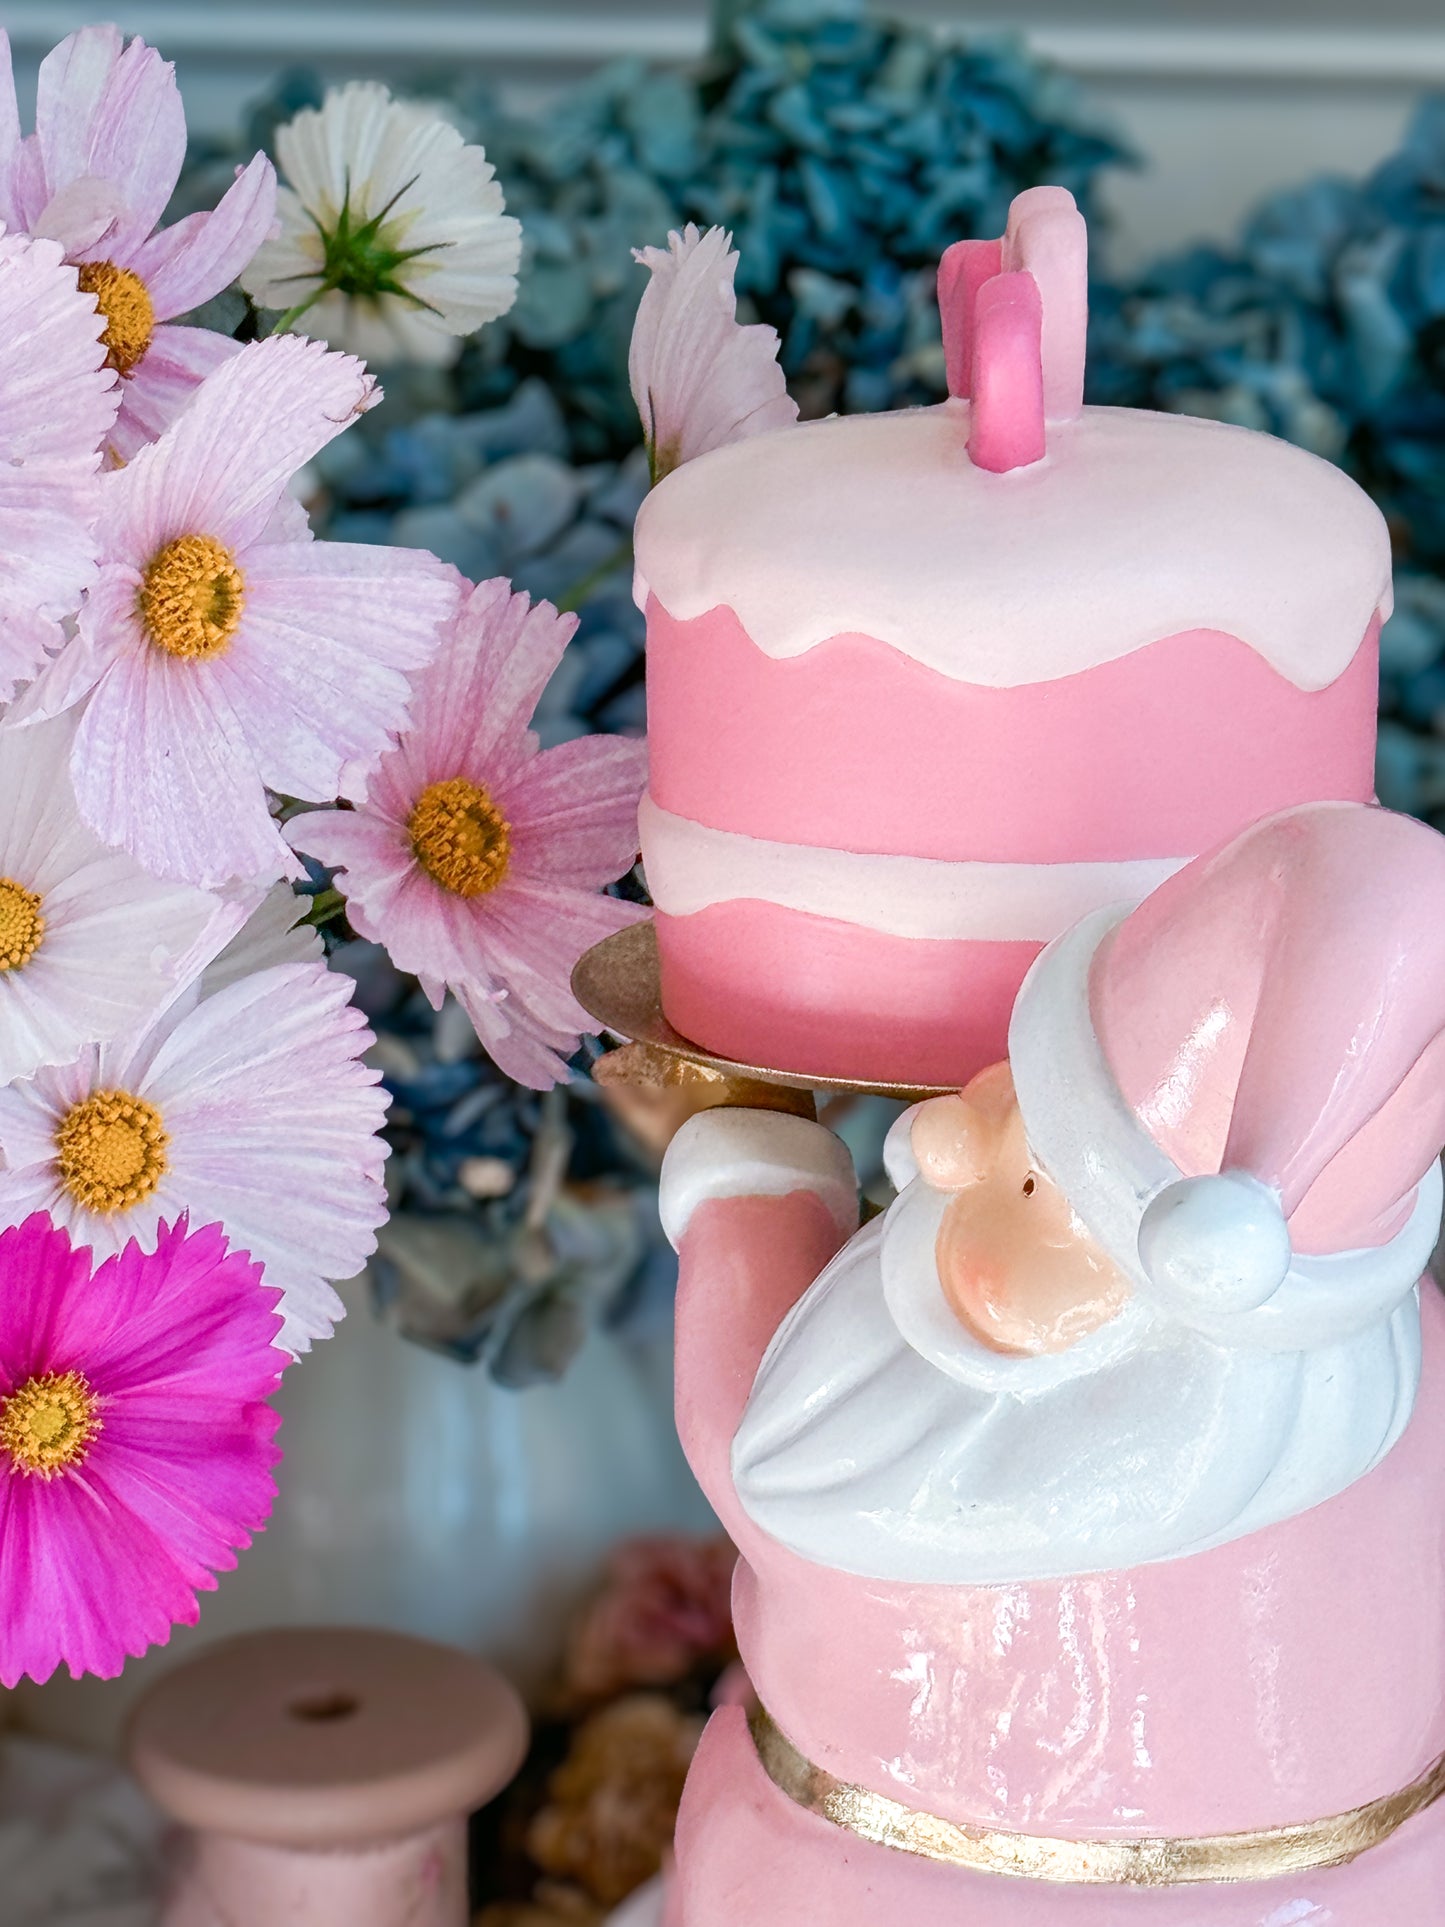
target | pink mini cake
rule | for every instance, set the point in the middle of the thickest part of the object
(925, 687)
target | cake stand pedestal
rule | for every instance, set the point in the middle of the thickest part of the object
(618, 982)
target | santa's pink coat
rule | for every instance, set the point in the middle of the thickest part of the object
(1291, 1675)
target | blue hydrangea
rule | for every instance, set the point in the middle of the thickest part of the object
(1325, 323)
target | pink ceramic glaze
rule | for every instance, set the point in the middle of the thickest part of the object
(852, 746)
(1006, 427)
(325, 1775)
(750, 1858)
(1258, 936)
(1210, 1694)
(1047, 238)
(841, 1001)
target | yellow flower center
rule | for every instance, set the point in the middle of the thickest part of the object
(47, 1424)
(460, 837)
(21, 925)
(111, 1150)
(124, 303)
(191, 597)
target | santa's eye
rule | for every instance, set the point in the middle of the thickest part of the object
(1029, 1183)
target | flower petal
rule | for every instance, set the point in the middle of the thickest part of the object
(162, 768)
(699, 378)
(573, 810)
(184, 265)
(266, 1077)
(113, 112)
(9, 136)
(114, 938)
(472, 710)
(57, 401)
(317, 674)
(163, 382)
(223, 466)
(98, 1562)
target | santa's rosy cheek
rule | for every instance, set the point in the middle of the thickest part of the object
(1018, 1292)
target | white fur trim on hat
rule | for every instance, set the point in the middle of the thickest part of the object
(1210, 1252)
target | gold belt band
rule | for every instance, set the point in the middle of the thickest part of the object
(1189, 1860)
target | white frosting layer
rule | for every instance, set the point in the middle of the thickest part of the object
(755, 1154)
(1134, 527)
(691, 867)
(1148, 1442)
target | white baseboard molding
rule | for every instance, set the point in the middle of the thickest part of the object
(567, 37)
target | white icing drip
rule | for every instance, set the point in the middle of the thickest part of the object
(1135, 527)
(691, 867)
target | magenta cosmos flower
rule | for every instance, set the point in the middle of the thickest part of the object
(107, 151)
(222, 651)
(136, 1441)
(247, 1105)
(476, 857)
(57, 400)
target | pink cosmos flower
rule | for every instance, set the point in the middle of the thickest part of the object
(699, 377)
(136, 1441)
(222, 651)
(246, 1105)
(475, 857)
(107, 151)
(57, 401)
(664, 1612)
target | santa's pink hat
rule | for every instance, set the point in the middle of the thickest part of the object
(1240, 1086)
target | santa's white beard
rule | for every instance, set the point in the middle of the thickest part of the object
(860, 1453)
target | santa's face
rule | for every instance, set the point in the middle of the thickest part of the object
(1014, 1261)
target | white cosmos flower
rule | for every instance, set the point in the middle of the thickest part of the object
(393, 241)
(249, 1107)
(90, 945)
(700, 378)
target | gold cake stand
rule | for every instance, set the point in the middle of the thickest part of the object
(618, 982)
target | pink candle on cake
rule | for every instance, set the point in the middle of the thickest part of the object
(926, 687)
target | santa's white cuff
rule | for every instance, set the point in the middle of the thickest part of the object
(734, 1153)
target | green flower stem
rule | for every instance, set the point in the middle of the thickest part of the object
(584, 586)
(326, 906)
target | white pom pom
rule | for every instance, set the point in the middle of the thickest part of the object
(1215, 1245)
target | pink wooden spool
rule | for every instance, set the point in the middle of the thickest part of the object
(325, 1776)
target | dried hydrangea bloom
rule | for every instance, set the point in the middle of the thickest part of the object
(136, 1440)
(699, 377)
(476, 857)
(394, 242)
(96, 175)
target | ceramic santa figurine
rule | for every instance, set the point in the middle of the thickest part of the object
(1090, 1499)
